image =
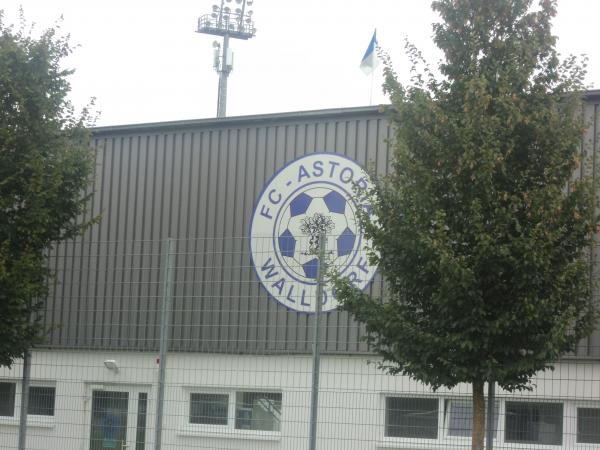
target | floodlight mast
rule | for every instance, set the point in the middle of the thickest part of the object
(224, 22)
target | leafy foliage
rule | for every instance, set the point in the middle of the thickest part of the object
(313, 226)
(45, 168)
(481, 229)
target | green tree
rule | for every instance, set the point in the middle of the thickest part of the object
(45, 168)
(482, 230)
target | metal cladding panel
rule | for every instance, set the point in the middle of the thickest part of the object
(197, 182)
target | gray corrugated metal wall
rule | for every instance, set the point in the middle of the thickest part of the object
(197, 182)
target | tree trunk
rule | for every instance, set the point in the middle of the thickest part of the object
(478, 435)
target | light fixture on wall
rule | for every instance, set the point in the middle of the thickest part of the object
(111, 364)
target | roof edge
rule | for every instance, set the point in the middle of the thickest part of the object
(592, 94)
(589, 95)
(240, 120)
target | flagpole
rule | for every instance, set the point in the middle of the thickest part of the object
(371, 93)
(369, 62)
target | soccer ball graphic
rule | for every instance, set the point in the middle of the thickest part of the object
(307, 196)
(293, 244)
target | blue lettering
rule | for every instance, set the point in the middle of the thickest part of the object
(289, 297)
(279, 285)
(362, 267)
(302, 173)
(265, 212)
(270, 268)
(349, 171)
(353, 278)
(302, 299)
(276, 199)
(318, 166)
(325, 297)
(362, 184)
(333, 165)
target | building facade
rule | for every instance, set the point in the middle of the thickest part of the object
(178, 202)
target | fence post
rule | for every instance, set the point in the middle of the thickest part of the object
(489, 439)
(24, 399)
(314, 399)
(164, 340)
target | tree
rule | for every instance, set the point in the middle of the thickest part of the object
(481, 231)
(45, 168)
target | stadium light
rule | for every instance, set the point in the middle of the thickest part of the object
(228, 24)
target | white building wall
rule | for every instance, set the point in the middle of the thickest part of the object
(352, 400)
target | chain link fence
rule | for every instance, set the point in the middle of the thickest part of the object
(190, 343)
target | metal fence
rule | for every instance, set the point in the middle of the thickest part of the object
(176, 344)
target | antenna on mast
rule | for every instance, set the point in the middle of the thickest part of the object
(228, 23)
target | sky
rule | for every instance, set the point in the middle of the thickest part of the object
(143, 61)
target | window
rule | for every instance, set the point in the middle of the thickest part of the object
(538, 423)
(588, 425)
(41, 400)
(140, 434)
(243, 410)
(411, 417)
(209, 409)
(7, 399)
(458, 417)
(258, 411)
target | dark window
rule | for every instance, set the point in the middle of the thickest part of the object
(588, 425)
(209, 409)
(459, 417)
(41, 401)
(140, 434)
(411, 417)
(7, 399)
(539, 423)
(258, 411)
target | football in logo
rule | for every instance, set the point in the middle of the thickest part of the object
(293, 243)
(310, 194)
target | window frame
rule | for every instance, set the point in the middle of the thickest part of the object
(576, 433)
(569, 424)
(467, 439)
(228, 430)
(238, 392)
(397, 441)
(217, 425)
(33, 420)
(43, 386)
(536, 401)
(412, 397)
(15, 406)
(443, 438)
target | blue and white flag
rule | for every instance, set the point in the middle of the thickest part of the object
(370, 61)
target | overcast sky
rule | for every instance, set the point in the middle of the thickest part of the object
(144, 62)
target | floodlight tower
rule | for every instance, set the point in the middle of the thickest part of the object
(228, 23)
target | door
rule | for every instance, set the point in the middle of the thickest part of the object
(118, 419)
(109, 420)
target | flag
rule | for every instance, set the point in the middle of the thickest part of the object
(370, 61)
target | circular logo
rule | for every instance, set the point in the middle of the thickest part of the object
(310, 194)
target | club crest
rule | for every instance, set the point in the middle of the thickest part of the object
(313, 189)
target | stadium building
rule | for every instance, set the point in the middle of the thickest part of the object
(207, 214)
